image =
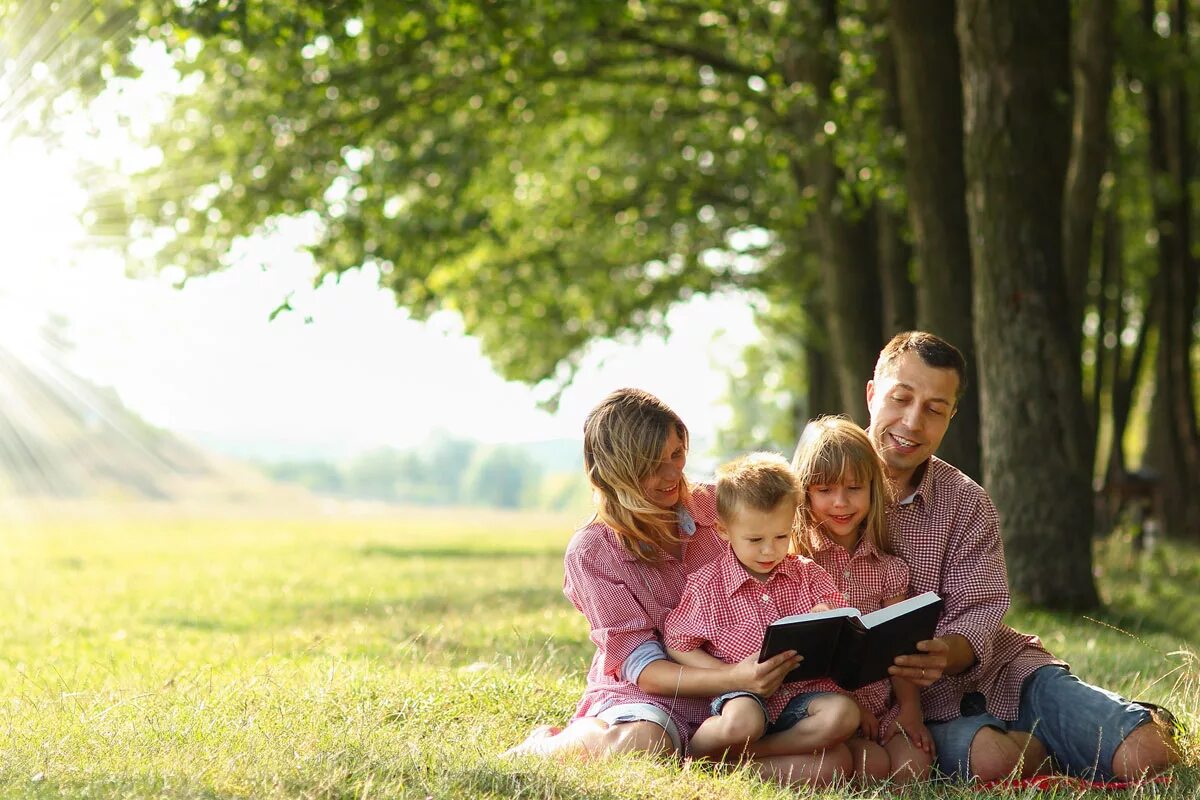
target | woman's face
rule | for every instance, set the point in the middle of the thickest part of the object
(661, 487)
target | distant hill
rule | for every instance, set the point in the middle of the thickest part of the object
(63, 437)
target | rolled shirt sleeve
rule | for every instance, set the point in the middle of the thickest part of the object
(643, 656)
(619, 624)
(975, 568)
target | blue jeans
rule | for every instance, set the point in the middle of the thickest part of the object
(1081, 725)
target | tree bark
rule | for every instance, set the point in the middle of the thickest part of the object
(1175, 443)
(930, 91)
(1093, 70)
(1017, 85)
(844, 233)
(895, 254)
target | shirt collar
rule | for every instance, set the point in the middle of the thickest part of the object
(734, 576)
(920, 495)
(819, 542)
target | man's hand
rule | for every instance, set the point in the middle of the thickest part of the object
(765, 678)
(927, 666)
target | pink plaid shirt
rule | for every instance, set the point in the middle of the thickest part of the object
(950, 536)
(726, 610)
(626, 600)
(865, 579)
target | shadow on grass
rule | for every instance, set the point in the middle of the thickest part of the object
(391, 551)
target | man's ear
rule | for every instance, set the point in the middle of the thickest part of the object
(870, 392)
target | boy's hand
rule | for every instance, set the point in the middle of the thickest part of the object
(765, 678)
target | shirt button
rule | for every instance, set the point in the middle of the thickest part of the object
(766, 598)
(846, 574)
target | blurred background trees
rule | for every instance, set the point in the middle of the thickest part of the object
(1016, 176)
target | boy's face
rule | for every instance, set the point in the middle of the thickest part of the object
(760, 539)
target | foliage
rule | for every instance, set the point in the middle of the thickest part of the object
(394, 656)
(554, 172)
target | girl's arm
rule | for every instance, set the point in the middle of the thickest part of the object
(696, 658)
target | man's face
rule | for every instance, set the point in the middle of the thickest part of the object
(911, 404)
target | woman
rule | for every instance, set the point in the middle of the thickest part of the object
(625, 571)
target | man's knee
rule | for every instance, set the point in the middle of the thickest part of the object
(995, 754)
(1148, 750)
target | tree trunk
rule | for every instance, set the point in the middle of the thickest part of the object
(1093, 68)
(895, 254)
(1017, 85)
(845, 234)
(930, 91)
(1175, 443)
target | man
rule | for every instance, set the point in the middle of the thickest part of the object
(996, 701)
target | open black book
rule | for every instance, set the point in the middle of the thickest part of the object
(851, 648)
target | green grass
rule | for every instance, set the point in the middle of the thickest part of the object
(389, 657)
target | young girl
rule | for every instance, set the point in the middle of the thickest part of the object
(625, 571)
(843, 528)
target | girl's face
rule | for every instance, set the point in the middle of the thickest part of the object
(661, 487)
(840, 508)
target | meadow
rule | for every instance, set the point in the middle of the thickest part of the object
(394, 655)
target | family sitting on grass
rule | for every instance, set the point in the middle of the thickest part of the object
(679, 582)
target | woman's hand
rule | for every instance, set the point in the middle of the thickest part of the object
(927, 666)
(765, 678)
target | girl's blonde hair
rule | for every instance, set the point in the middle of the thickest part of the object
(834, 450)
(623, 439)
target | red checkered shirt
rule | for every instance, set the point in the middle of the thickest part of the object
(626, 600)
(865, 579)
(949, 533)
(725, 610)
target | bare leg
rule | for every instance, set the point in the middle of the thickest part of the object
(871, 762)
(593, 738)
(831, 720)
(907, 762)
(833, 765)
(996, 754)
(1148, 750)
(740, 722)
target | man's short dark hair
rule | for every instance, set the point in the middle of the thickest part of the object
(933, 350)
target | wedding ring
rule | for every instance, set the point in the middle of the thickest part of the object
(922, 673)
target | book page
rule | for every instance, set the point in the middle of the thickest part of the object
(815, 615)
(898, 609)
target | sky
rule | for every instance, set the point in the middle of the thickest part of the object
(206, 361)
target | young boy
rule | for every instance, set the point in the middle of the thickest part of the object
(727, 605)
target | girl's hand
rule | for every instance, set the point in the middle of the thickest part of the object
(926, 667)
(868, 723)
(763, 679)
(909, 723)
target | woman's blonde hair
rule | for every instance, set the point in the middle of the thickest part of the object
(623, 439)
(834, 450)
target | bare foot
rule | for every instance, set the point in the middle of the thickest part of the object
(535, 744)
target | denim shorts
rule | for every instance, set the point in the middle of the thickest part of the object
(1081, 725)
(642, 712)
(793, 712)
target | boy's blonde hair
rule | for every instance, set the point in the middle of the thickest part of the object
(760, 481)
(835, 450)
(623, 438)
